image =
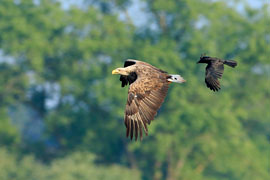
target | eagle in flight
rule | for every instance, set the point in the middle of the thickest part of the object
(148, 87)
(214, 70)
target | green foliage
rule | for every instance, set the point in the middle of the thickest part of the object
(78, 165)
(60, 76)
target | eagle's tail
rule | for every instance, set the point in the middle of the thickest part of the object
(230, 63)
(175, 78)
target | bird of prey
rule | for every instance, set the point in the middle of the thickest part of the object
(214, 70)
(148, 87)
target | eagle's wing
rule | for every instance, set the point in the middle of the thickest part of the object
(145, 97)
(214, 72)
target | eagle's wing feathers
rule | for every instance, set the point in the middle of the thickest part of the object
(145, 97)
(213, 73)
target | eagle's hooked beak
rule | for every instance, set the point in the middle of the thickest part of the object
(115, 71)
(121, 71)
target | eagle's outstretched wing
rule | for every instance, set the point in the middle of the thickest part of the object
(145, 97)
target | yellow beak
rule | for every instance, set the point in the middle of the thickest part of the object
(115, 71)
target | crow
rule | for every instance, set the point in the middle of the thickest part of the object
(214, 70)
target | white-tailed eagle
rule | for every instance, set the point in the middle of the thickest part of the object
(148, 87)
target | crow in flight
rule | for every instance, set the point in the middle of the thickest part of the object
(214, 70)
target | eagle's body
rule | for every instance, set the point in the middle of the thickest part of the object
(147, 91)
(214, 70)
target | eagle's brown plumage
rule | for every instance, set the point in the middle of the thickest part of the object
(214, 70)
(145, 97)
(147, 91)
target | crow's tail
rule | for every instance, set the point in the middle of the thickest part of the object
(231, 63)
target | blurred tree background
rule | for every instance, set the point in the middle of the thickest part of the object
(61, 110)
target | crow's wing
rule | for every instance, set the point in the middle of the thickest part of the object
(214, 72)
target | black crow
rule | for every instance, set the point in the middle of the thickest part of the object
(214, 70)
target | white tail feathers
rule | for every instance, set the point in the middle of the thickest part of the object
(176, 78)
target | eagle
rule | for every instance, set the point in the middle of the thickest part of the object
(214, 70)
(147, 90)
